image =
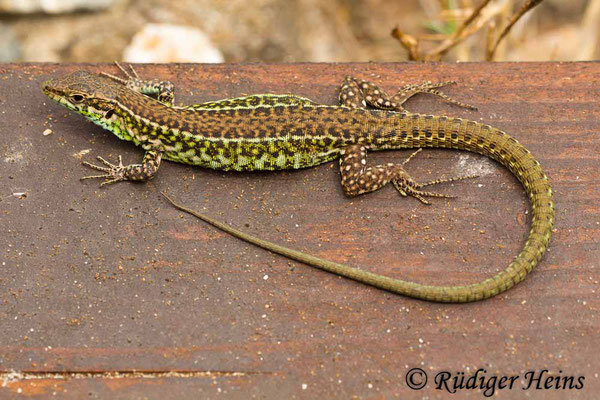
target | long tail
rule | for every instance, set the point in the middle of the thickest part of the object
(459, 134)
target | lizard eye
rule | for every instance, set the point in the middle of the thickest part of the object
(77, 98)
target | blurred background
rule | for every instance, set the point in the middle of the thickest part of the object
(297, 30)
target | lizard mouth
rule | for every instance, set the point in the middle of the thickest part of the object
(48, 86)
(49, 89)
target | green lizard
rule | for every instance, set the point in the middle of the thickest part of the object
(274, 132)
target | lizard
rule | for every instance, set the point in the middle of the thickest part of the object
(277, 132)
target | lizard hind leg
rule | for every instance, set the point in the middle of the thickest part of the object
(351, 95)
(408, 91)
(360, 93)
(358, 178)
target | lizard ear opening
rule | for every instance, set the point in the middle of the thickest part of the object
(109, 114)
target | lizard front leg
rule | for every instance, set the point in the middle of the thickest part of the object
(163, 91)
(132, 172)
(359, 92)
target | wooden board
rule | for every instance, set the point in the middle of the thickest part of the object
(111, 293)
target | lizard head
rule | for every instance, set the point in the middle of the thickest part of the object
(83, 92)
(92, 95)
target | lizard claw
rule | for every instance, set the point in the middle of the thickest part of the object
(409, 187)
(114, 173)
(162, 91)
(133, 80)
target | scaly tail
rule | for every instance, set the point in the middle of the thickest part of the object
(461, 134)
(455, 133)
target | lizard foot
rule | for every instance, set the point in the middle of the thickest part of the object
(407, 186)
(163, 91)
(133, 79)
(114, 173)
(407, 91)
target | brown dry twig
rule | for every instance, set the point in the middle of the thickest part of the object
(461, 34)
(471, 18)
(526, 7)
(472, 24)
(408, 42)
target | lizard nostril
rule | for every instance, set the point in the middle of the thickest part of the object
(47, 85)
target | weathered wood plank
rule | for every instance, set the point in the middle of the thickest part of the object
(111, 281)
